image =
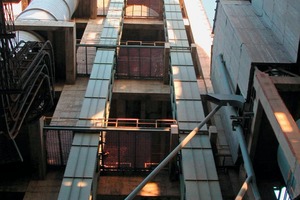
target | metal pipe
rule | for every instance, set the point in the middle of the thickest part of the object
(228, 87)
(127, 46)
(248, 163)
(243, 189)
(172, 154)
(47, 10)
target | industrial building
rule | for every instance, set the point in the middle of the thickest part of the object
(150, 99)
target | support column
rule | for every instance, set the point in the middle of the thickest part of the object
(166, 63)
(195, 59)
(70, 50)
(213, 136)
(173, 143)
(37, 149)
(93, 7)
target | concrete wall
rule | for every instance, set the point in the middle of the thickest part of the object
(282, 17)
(242, 38)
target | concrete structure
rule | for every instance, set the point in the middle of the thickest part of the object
(135, 86)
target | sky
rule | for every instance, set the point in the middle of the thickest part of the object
(210, 6)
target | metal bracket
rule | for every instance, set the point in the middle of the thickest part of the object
(240, 120)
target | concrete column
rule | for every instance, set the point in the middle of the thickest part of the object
(37, 149)
(166, 63)
(93, 7)
(70, 50)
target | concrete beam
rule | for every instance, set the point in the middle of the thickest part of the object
(282, 122)
(69, 30)
(283, 83)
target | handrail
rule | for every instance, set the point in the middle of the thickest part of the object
(172, 154)
(116, 122)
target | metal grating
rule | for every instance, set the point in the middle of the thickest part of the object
(143, 63)
(58, 145)
(133, 151)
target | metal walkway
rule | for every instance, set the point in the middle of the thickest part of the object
(80, 178)
(200, 178)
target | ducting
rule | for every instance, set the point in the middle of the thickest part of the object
(46, 10)
(28, 36)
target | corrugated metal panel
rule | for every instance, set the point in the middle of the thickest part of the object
(101, 71)
(109, 41)
(199, 172)
(178, 43)
(177, 34)
(184, 73)
(198, 164)
(112, 23)
(97, 89)
(183, 58)
(175, 24)
(110, 32)
(86, 139)
(172, 8)
(173, 15)
(186, 91)
(104, 57)
(93, 108)
(198, 141)
(115, 14)
(203, 190)
(81, 166)
(75, 189)
(82, 162)
(169, 2)
(189, 111)
(188, 126)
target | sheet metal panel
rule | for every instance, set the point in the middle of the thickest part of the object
(179, 43)
(173, 16)
(175, 34)
(110, 32)
(93, 108)
(75, 189)
(203, 190)
(172, 8)
(186, 90)
(86, 139)
(112, 23)
(188, 126)
(184, 73)
(198, 141)
(104, 57)
(116, 5)
(82, 162)
(198, 164)
(117, 14)
(171, 24)
(101, 71)
(109, 41)
(97, 89)
(189, 111)
(170, 2)
(183, 58)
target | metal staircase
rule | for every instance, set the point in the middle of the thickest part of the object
(27, 79)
